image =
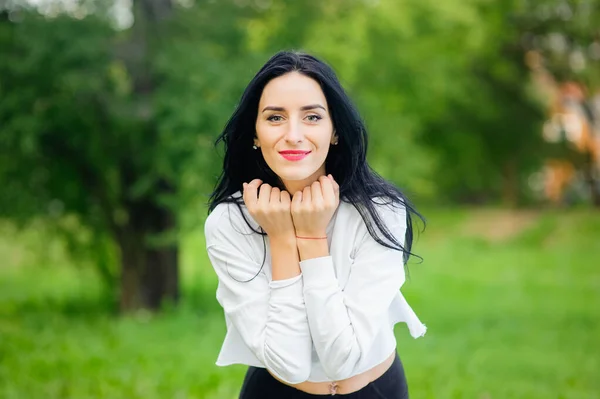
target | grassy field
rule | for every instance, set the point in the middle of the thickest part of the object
(511, 300)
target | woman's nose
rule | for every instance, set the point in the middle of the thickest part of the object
(293, 133)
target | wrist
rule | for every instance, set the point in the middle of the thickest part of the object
(284, 257)
(312, 248)
(283, 239)
(311, 235)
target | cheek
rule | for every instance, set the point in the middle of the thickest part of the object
(263, 134)
(324, 139)
(258, 129)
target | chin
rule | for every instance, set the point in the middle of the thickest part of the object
(295, 175)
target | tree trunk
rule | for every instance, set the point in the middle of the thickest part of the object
(149, 275)
(510, 183)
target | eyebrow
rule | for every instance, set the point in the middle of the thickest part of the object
(303, 108)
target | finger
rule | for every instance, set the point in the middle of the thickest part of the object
(254, 186)
(296, 200)
(306, 195)
(264, 195)
(275, 195)
(316, 193)
(250, 192)
(336, 186)
(285, 198)
(327, 189)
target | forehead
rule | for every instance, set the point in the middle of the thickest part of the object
(292, 89)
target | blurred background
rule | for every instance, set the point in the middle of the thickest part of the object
(486, 113)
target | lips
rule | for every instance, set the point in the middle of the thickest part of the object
(293, 152)
(294, 155)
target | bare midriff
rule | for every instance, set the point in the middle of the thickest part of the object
(348, 385)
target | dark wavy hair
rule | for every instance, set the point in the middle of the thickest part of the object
(359, 184)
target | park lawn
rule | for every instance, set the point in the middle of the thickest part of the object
(511, 300)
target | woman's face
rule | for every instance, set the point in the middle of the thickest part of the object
(294, 129)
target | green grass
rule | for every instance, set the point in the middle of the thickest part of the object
(512, 303)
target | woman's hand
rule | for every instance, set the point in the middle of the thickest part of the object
(313, 207)
(270, 207)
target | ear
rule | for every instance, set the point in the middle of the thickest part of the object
(334, 138)
(256, 142)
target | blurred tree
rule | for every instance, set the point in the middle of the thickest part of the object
(107, 125)
(562, 39)
(55, 84)
(488, 138)
(567, 34)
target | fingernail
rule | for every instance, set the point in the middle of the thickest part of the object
(244, 185)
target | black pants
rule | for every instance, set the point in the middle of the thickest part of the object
(259, 384)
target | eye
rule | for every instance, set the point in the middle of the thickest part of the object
(275, 118)
(314, 118)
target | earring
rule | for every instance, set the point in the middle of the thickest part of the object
(254, 147)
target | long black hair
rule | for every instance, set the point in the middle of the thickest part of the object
(346, 162)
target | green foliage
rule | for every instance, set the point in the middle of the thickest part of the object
(565, 33)
(203, 67)
(55, 158)
(113, 126)
(52, 81)
(511, 312)
(488, 135)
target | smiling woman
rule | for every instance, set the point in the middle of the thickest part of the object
(308, 242)
(294, 125)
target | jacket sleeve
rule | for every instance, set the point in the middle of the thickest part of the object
(345, 323)
(270, 316)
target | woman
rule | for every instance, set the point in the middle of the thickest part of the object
(308, 242)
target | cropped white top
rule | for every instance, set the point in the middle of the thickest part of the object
(333, 321)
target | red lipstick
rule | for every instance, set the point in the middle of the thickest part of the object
(294, 155)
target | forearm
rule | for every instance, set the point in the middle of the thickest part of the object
(285, 261)
(288, 342)
(287, 339)
(345, 323)
(270, 316)
(334, 336)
